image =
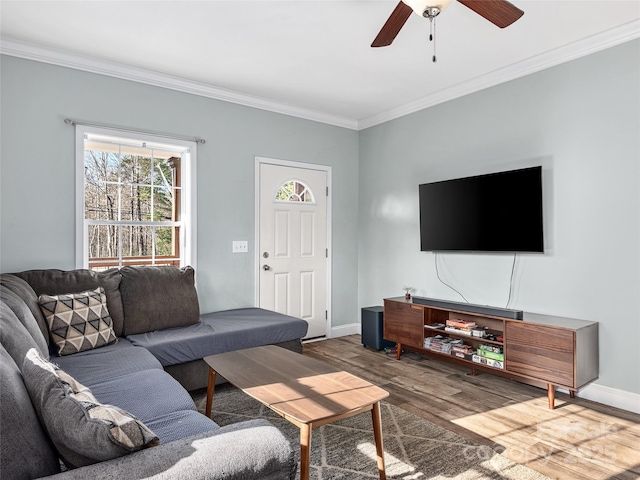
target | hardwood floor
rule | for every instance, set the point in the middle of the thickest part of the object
(579, 440)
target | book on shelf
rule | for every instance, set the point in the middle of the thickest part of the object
(492, 355)
(457, 330)
(491, 348)
(461, 324)
(465, 356)
(466, 349)
(435, 326)
(488, 361)
(440, 344)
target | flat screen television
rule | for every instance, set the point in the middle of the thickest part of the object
(499, 212)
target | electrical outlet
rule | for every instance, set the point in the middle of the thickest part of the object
(240, 246)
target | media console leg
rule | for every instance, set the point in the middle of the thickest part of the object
(398, 351)
(551, 394)
(572, 393)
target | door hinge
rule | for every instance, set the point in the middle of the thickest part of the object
(326, 252)
(327, 191)
(326, 315)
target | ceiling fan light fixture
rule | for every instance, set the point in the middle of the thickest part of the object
(501, 13)
(427, 8)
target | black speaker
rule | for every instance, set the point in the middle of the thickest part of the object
(371, 322)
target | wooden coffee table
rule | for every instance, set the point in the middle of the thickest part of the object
(305, 391)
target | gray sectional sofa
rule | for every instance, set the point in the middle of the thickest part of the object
(54, 378)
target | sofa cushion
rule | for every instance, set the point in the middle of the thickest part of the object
(220, 332)
(14, 336)
(55, 282)
(23, 313)
(93, 367)
(22, 435)
(170, 298)
(159, 401)
(181, 424)
(83, 430)
(148, 395)
(24, 291)
(78, 321)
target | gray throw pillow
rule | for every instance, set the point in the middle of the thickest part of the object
(83, 430)
(158, 297)
(78, 321)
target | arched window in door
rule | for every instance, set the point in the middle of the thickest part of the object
(294, 191)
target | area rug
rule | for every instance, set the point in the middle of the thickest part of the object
(414, 448)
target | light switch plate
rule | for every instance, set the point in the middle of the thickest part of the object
(240, 246)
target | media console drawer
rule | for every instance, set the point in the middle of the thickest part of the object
(541, 352)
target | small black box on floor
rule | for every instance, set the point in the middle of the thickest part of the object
(372, 328)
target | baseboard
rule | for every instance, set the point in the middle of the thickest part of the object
(611, 396)
(344, 330)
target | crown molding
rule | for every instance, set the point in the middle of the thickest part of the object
(149, 77)
(581, 48)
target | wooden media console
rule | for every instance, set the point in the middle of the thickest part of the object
(537, 349)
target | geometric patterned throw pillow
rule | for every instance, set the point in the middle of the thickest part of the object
(78, 321)
(83, 430)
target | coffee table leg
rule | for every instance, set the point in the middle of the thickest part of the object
(210, 386)
(377, 434)
(305, 450)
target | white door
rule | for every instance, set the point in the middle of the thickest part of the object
(293, 244)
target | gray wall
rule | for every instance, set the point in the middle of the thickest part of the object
(581, 122)
(38, 186)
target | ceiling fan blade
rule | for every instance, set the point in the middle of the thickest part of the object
(498, 12)
(393, 25)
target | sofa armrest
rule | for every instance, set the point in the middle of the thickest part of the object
(248, 450)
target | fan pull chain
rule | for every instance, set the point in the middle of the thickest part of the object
(432, 35)
(434, 40)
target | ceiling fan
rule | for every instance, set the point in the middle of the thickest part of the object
(499, 12)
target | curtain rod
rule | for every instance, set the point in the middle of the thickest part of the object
(68, 121)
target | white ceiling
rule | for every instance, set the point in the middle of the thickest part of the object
(310, 58)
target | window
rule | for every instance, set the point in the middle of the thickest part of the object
(294, 191)
(135, 199)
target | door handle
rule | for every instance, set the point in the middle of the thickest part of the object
(266, 267)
